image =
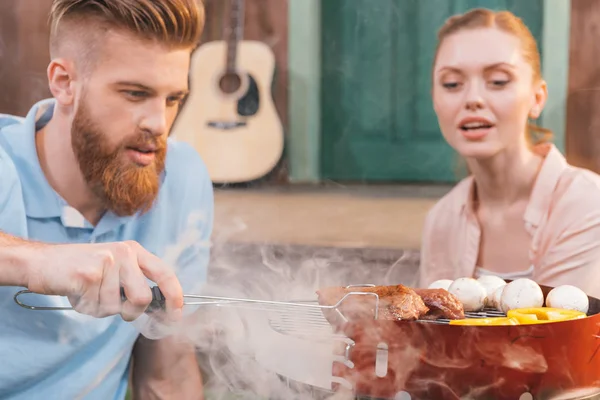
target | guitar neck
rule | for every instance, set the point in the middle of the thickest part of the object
(235, 32)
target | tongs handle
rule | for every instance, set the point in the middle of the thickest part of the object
(157, 304)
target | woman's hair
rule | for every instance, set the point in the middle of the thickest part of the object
(507, 22)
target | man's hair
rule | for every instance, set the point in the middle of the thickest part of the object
(175, 23)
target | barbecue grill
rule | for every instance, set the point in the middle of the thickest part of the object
(431, 359)
(434, 360)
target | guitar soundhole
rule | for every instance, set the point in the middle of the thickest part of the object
(230, 82)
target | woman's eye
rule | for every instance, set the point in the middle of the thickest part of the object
(450, 85)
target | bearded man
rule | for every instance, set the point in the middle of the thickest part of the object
(93, 172)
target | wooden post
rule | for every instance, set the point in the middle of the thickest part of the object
(24, 54)
(583, 101)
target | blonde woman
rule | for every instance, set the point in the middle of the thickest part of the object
(523, 211)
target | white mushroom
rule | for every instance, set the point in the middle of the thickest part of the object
(471, 293)
(495, 301)
(521, 293)
(441, 284)
(491, 283)
(568, 297)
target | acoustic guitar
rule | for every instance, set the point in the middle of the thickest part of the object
(230, 116)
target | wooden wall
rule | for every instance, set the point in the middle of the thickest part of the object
(24, 57)
(24, 54)
(24, 50)
(582, 140)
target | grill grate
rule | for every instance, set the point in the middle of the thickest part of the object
(305, 324)
(310, 323)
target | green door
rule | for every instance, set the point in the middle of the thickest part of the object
(378, 122)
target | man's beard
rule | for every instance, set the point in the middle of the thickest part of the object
(124, 188)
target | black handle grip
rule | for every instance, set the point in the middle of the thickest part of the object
(158, 300)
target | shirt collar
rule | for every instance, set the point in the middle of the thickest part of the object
(41, 200)
(553, 166)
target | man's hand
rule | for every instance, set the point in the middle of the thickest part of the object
(91, 276)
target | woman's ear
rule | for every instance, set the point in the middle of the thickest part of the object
(61, 81)
(539, 100)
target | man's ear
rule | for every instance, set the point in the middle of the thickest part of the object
(61, 80)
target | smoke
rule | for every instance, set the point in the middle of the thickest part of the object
(269, 351)
(265, 351)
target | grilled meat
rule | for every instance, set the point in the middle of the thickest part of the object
(395, 302)
(441, 304)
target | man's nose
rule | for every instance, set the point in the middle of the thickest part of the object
(155, 121)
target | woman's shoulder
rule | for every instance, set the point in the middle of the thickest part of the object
(577, 194)
(574, 200)
(580, 178)
(563, 193)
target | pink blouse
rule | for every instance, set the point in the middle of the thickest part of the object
(562, 217)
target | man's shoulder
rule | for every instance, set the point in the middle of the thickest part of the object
(12, 131)
(180, 154)
(8, 120)
(187, 177)
(184, 164)
(12, 206)
(10, 125)
(8, 171)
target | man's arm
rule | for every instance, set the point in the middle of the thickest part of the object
(167, 368)
(90, 275)
(15, 256)
(15, 252)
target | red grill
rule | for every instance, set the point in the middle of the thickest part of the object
(435, 360)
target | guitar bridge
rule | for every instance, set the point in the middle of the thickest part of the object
(226, 125)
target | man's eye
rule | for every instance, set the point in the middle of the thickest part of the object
(136, 94)
(173, 101)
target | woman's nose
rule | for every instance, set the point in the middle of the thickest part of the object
(474, 98)
(474, 105)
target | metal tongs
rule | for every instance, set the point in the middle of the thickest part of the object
(158, 301)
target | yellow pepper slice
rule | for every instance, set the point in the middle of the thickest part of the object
(543, 315)
(485, 321)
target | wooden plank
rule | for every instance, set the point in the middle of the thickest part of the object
(34, 52)
(583, 119)
(9, 60)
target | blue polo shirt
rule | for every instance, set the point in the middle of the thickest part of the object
(63, 354)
